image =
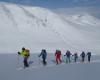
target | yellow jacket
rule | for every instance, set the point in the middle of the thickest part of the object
(25, 53)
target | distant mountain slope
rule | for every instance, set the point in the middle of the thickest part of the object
(36, 28)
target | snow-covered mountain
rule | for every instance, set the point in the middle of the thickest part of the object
(37, 28)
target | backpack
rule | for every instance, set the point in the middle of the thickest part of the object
(28, 52)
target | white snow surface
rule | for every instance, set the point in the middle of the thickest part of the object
(72, 71)
(38, 28)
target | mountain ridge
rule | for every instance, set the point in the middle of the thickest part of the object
(37, 28)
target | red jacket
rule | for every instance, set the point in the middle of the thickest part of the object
(58, 54)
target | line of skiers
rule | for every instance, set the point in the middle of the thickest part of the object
(26, 54)
(75, 55)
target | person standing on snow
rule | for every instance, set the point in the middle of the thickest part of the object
(89, 56)
(25, 53)
(68, 55)
(58, 56)
(75, 56)
(83, 56)
(44, 56)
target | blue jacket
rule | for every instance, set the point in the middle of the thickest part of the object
(43, 54)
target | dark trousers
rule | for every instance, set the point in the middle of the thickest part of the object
(89, 58)
(83, 59)
(25, 62)
(75, 59)
(44, 61)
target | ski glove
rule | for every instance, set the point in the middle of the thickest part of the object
(19, 53)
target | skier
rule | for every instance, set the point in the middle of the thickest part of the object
(58, 56)
(68, 55)
(44, 55)
(25, 53)
(83, 56)
(89, 56)
(75, 56)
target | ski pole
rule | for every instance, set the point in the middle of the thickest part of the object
(39, 60)
(17, 60)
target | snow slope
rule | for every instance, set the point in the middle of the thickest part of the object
(81, 71)
(37, 28)
(88, 25)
